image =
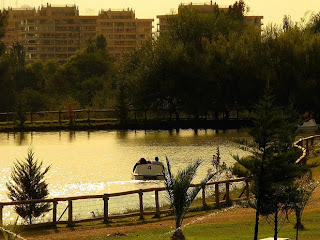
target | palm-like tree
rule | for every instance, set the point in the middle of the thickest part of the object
(180, 194)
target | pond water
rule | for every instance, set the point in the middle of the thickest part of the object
(100, 162)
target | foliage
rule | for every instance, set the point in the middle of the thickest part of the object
(10, 232)
(305, 187)
(27, 183)
(178, 188)
(272, 164)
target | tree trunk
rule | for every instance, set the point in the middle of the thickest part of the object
(276, 225)
(256, 227)
(178, 235)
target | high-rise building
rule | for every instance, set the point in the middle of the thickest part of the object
(57, 32)
(204, 9)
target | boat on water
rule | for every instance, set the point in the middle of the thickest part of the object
(148, 171)
(309, 125)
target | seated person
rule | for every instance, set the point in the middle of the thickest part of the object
(156, 161)
(141, 161)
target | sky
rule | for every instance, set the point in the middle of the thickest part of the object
(272, 10)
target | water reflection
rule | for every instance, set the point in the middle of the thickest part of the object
(21, 138)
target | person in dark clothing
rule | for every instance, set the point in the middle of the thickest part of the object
(141, 161)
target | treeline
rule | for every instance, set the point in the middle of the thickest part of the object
(202, 64)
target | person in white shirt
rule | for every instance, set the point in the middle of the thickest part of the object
(156, 161)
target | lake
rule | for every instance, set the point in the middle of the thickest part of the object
(98, 162)
(101, 161)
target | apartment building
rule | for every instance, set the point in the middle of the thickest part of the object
(204, 9)
(57, 32)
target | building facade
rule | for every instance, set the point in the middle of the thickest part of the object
(204, 9)
(57, 32)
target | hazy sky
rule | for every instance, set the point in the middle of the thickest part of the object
(272, 10)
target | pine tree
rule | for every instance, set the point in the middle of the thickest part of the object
(272, 164)
(27, 183)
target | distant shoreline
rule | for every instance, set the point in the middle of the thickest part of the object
(129, 125)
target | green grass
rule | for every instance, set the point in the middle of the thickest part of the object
(234, 230)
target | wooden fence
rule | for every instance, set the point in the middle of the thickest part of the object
(219, 198)
(59, 116)
(306, 145)
(133, 114)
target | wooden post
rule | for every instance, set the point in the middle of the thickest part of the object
(31, 117)
(7, 118)
(141, 204)
(54, 212)
(156, 197)
(216, 193)
(106, 208)
(1, 215)
(307, 147)
(59, 118)
(228, 200)
(88, 113)
(247, 189)
(204, 205)
(70, 223)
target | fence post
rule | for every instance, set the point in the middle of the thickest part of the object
(156, 197)
(141, 204)
(216, 193)
(106, 208)
(307, 146)
(59, 118)
(204, 205)
(54, 212)
(31, 117)
(228, 200)
(7, 118)
(88, 112)
(247, 189)
(70, 223)
(1, 214)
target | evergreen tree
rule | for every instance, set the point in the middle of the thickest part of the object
(272, 164)
(27, 183)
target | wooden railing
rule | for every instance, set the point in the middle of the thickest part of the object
(9, 115)
(134, 114)
(306, 145)
(219, 198)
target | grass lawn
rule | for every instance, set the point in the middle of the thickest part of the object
(234, 230)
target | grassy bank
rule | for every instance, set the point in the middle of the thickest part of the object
(234, 230)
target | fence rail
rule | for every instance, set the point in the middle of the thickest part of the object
(219, 198)
(133, 114)
(306, 145)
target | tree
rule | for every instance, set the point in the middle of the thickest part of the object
(305, 187)
(179, 193)
(27, 183)
(272, 164)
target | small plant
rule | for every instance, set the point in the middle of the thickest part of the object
(27, 183)
(180, 193)
(11, 232)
